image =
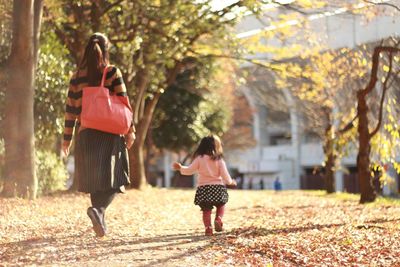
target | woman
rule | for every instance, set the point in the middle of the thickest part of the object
(101, 159)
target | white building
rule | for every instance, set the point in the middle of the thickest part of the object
(283, 150)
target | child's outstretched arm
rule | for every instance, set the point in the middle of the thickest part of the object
(226, 177)
(187, 170)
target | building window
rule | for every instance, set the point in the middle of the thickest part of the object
(311, 137)
(279, 139)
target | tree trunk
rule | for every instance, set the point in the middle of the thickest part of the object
(330, 154)
(148, 154)
(137, 170)
(136, 153)
(20, 178)
(368, 193)
(136, 160)
(330, 173)
(144, 115)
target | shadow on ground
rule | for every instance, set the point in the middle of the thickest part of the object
(261, 231)
(69, 248)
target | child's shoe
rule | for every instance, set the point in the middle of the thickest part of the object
(209, 231)
(218, 224)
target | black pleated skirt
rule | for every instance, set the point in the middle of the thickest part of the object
(101, 161)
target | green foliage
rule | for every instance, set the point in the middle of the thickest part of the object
(51, 83)
(186, 114)
(5, 28)
(51, 172)
(217, 115)
(50, 92)
(176, 120)
(149, 38)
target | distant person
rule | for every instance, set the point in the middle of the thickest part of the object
(262, 184)
(250, 183)
(277, 184)
(101, 158)
(213, 176)
(239, 181)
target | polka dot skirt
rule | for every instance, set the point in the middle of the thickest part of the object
(211, 194)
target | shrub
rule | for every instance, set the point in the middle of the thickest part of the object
(51, 172)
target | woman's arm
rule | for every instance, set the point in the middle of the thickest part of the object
(72, 111)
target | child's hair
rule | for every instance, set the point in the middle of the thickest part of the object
(211, 146)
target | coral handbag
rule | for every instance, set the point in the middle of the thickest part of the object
(105, 111)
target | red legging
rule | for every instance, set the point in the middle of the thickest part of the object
(207, 215)
(220, 211)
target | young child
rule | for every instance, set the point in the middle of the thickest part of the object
(213, 176)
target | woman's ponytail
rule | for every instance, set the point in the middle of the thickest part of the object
(95, 63)
(95, 58)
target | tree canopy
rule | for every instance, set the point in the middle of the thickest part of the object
(187, 112)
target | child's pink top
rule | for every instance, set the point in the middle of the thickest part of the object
(210, 171)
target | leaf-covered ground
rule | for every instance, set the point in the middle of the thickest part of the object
(159, 227)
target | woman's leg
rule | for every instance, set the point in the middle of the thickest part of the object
(100, 201)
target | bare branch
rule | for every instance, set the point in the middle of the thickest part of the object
(109, 7)
(228, 9)
(382, 4)
(375, 64)
(384, 89)
(349, 126)
(293, 8)
(395, 79)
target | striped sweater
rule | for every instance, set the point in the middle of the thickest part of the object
(73, 107)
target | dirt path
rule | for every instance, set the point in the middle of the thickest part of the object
(163, 228)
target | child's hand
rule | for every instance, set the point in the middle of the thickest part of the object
(176, 166)
(232, 185)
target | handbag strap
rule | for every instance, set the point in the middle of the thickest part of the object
(103, 78)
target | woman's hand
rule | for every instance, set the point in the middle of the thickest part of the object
(176, 166)
(65, 149)
(129, 139)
